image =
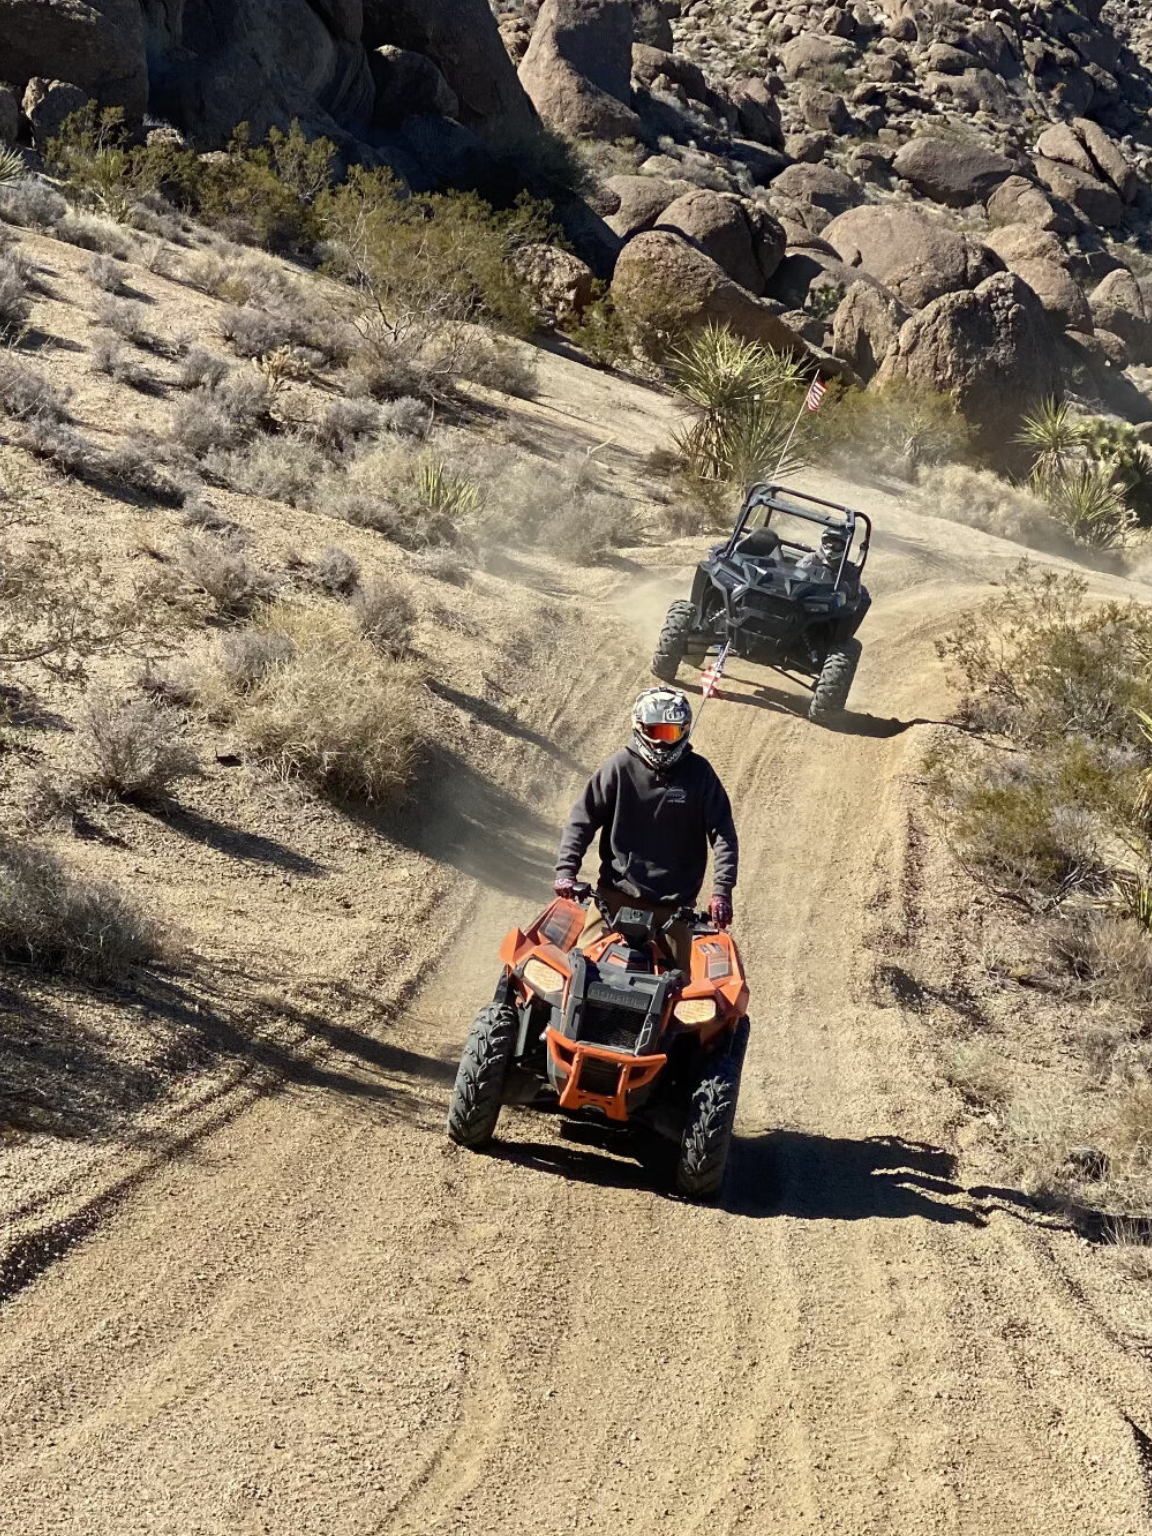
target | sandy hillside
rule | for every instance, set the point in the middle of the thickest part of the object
(316, 1316)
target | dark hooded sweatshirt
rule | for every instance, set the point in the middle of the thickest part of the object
(655, 828)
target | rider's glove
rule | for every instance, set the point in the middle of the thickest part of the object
(720, 911)
(565, 887)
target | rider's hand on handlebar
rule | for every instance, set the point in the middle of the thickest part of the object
(565, 887)
(720, 911)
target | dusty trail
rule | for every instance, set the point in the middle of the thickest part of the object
(327, 1320)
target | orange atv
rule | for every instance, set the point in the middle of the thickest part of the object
(615, 1033)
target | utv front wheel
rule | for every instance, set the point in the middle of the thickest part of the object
(707, 1132)
(835, 681)
(476, 1096)
(672, 646)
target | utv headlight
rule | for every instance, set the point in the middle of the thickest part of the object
(542, 978)
(696, 1010)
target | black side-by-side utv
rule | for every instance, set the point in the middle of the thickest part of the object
(768, 596)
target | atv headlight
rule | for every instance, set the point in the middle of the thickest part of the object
(695, 1010)
(542, 978)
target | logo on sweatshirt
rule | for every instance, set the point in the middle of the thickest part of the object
(675, 795)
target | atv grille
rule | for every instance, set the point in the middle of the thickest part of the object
(611, 1027)
(767, 614)
(599, 1077)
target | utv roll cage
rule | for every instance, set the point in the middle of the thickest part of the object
(799, 504)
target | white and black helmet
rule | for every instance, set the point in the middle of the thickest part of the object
(661, 721)
(833, 543)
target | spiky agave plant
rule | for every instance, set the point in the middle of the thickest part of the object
(1085, 500)
(741, 393)
(1054, 439)
(12, 167)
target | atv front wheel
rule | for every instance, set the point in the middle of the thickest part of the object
(835, 681)
(476, 1096)
(707, 1134)
(672, 646)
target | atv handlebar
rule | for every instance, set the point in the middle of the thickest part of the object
(584, 893)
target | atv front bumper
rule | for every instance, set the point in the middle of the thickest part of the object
(590, 1077)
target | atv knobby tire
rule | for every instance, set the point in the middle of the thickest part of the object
(672, 646)
(476, 1095)
(830, 697)
(707, 1134)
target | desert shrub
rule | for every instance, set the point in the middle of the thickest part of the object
(108, 356)
(222, 417)
(252, 332)
(283, 469)
(444, 565)
(336, 572)
(57, 919)
(14, 303)
(405, 417)
(264, 194)
(106, 273)
(90, 233)
(898, 428)
(745, 400)
(134, 749)
(222, 570)
(124, 319)
(337, 713)
(246, 656)
(653, 317)
(1094, 474)
(31, 203)
(418, 500)
(602, 333)
(981, 499)
(420, 268)
(1108, 956)
(342, 422)
(385, 616)
(26, 394)
(498, 365)
(201, 369)
(586, 531)
(975, 1070)
(60, 446)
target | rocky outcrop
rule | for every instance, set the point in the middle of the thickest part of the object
(462, 37)
(991, 347)
(743, 240)
(639, 201)
(949, 172)
(1020, 201)
(96, 45)
(1119, 306)
(577, 70)
(408, 84)
(561, 283)
(1093, 199)
(813, 195)
(47, 104)
(865, 327)
(1086, 146)
(916, 256)
(9, 115)
(659, 260)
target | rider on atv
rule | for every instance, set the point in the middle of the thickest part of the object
(657, 806)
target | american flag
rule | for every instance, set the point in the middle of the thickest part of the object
(711, 675)
(815, 395)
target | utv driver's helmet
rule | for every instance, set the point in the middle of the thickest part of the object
(833, 543)
(661, 721)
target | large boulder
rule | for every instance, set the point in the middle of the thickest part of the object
(1092, 198)
(990, 347)
(915, 255)
(562, 285)
(408, 83)
(865, 327)
(97, 45)
(1084, 145)
(659, 261)
(1118, 305)
(464, 40)
(578, 68)
(758, 113)
(947, 171)
(640, 200)
(715, 223)
(47, 104)
(815, 52)
(1037, 256)
(976, 90)
(1020, 201)
(813, 195)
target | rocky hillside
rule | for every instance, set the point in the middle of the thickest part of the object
(952, 194)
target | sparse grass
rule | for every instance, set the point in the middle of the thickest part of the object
(94, 234)
(336, 572)
(898, 429)
(246, 656)
(109, 357)
(444, 565)
(56, 919)
(124, 319)
(15, 306)
(336, 713)
(385, 616)
(134, 749)
(26, 394)
(974, 1068)
(222, 570)
(106, 273)
(32, 204)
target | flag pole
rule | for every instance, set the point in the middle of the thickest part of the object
(804, 405)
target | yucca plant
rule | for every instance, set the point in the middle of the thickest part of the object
(12, 167)
(443, 493)
(745, 398)
(1118, 448)
(1084, 499)
(1053, 438)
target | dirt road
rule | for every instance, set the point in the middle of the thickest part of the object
(324, 1320)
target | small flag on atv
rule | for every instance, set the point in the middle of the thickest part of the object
(815, 395)
(710, 677)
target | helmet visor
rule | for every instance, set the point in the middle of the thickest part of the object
(665, 732)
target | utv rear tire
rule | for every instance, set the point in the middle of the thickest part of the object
(672, 646)
(707, 1134)
(477, 1094)
(835, 681)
